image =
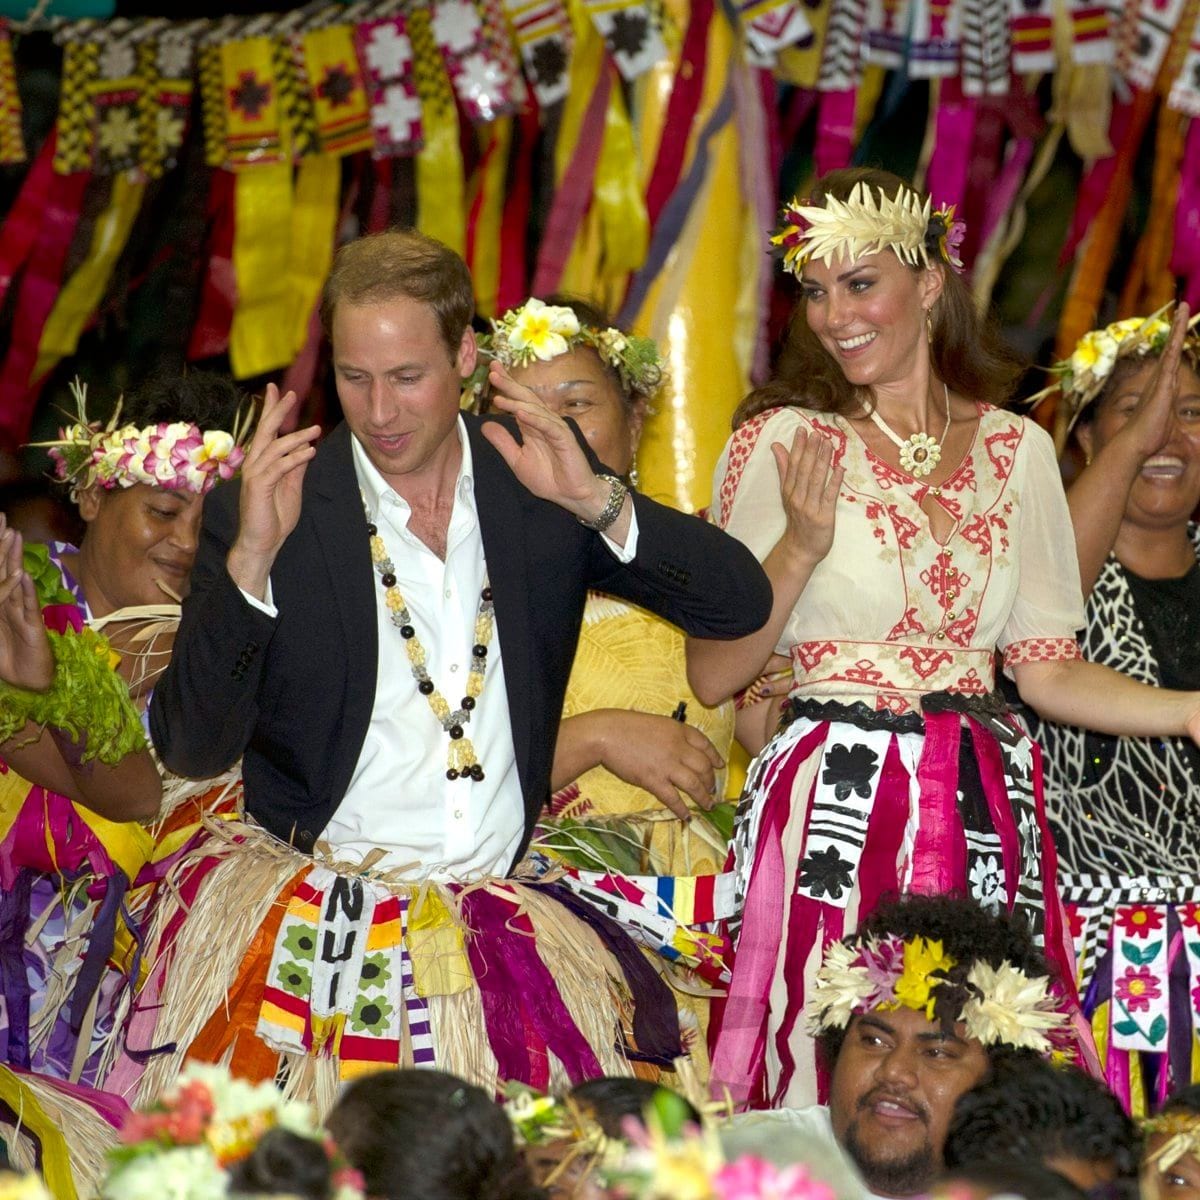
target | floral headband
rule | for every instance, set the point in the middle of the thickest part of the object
(184, 1145)
(861, 224)
(1082, 377)
(177, 456)
(539, 332)
(999, 1005)
(1182, 1130)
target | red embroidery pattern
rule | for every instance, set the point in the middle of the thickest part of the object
(741, 447)
(906, 626)
(1001, 449)
(1041, 650)
(810, 654)
(924, 660)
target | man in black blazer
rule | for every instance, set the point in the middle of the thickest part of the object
(293, 652)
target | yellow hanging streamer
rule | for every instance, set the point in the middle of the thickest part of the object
(440, 209)
(81, 295)
(625, 223)
(261, 337)
(485, 263)
(56, 1160)
(314, 227)
(688, 313)
(437, 947)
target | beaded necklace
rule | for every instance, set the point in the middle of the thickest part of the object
(461, 760)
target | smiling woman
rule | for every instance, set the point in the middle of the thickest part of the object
(911, 529)
(1124, 808)
(84, 634)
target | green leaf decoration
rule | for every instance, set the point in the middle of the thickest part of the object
(669, 1111)
(1158, 1028)
(47, 580)
(1131, 954)
(1151, 951)
(1126, 1028)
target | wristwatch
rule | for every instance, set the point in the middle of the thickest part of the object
(609, 513)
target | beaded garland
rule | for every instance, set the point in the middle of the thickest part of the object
(461, 760)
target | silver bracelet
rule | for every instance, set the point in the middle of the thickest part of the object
(609, 513)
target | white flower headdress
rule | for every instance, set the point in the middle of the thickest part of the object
(538, 332)
(1079, 379)
(864, 223)
(177, 456)
(999, 1005)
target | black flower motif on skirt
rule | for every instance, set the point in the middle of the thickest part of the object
(849, 769)
(826, 873)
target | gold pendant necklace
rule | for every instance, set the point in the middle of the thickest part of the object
(920, 453)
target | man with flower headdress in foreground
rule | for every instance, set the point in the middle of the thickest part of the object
(385, 625)
(909, 1013)
(84, 634)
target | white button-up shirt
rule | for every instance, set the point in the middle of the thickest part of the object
(399, 799)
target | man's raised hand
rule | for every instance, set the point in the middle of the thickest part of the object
(25, 657)
(272, 478)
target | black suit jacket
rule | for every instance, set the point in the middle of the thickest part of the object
(292, 695)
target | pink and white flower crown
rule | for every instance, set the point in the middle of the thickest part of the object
(999, 1005)
(863, 224)
(177, 456)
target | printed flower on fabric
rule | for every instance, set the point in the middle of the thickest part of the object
(300, 942)
(1140, 920)
(826, 873)
(294, 977)
(986, 882)
(1137, 988)
(371, 1015)
(1075, 921)
(375, 971)
(850, 769)
(1189, 916)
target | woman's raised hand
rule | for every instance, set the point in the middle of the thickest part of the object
(1149, 426)
(25, 657)
(808, 486)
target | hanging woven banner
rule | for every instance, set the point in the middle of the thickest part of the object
(936, 39)
(1141, 56)
(1185, 91)
(12, 145)
(1032, 26)
(1140, 978)
(75, 134)
(116, 95)
(338, 96)
(543, 34)
(1189, 923)
(480, 77)
(497, 40)
(166, 61)
(985, 49)
(296, 111)
(841, 63)
(631, 33)
(887, 32)
(386, 54)
(773, 27)
(1091, 39)
(212, 103)
(253, 129)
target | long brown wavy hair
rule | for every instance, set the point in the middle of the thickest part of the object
(968, 352)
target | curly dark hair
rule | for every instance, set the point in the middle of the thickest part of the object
(612, 1098)
(1011, 1178)
(968, 352)
(1185, 1100)
(429, 1134)
(968, 933)
(202, 397)
(284, 1163)
(1032, 1111)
